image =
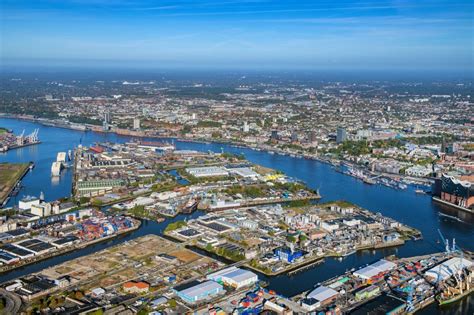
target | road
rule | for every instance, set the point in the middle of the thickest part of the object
(13, 302)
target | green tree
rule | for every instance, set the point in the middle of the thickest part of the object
(172, 303)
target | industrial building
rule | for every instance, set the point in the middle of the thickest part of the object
(200, 291)
(288, 255)
(210, 171)
(366, 292)
(322, 296)
(27, 202)
(245, 172)
(448, 268)
(42, 210)
(135, 287)
(375, 269)
(234, 277)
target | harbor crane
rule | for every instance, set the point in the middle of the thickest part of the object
(450, 250)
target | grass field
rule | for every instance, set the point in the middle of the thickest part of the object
(10, 173)
(3, 130)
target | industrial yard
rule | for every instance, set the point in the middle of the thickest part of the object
(74, 230)
(274, 239)
(149, 263)
(393, 286)
(153, 180)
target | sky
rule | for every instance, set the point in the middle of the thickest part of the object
(424, 35)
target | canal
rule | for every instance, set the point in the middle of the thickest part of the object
(403, 205)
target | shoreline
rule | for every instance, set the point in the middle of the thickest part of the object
(451, 205)
(18, 180)
(256, 147)
(309, 263)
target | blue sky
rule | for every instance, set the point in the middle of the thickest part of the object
(350, 35)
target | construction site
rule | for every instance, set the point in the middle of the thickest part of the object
(152, 260)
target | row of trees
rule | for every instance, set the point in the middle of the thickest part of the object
(175, 225)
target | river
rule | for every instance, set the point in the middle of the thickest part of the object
(403, 205)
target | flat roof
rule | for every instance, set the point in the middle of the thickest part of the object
(202, 288)
(374, 269)
(234, 273)
(65, 240)
(15, 250)
(322, 293)
(17, 232)
(244, 171)
(35, 245)
(240, 275)
(446, 269)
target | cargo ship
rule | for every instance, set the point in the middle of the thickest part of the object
(462, 287)
(455, 298)
(190, 206)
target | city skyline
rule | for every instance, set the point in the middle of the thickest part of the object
(252, 34)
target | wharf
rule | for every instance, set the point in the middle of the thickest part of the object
(16, 146)
(451, 205)
(6, 196)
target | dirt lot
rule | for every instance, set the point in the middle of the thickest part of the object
(132, 260)
(185, 256)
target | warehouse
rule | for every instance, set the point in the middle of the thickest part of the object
(200, 291)
(35, 245)
(234, 277)
(366, 292)
(376, 268)
(209, 171)
(17, 251)
(7, 258)
(245, 172)
(323, 295)
(448, 268)
(65, 241)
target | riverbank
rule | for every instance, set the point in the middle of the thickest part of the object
(405, 206)
(19, 146)
(10, 178)
(258, 147)
(451, 205)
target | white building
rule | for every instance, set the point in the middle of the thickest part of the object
(234, 277)
(136, 123)
(448, 268)
(41, 210)
(27, 202)
(418, 171)
(209, 171)
(329, 226)
(245, 172)
(246, 127)
(376, 268)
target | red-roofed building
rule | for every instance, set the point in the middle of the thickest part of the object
(97, 149)
(136, 287)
